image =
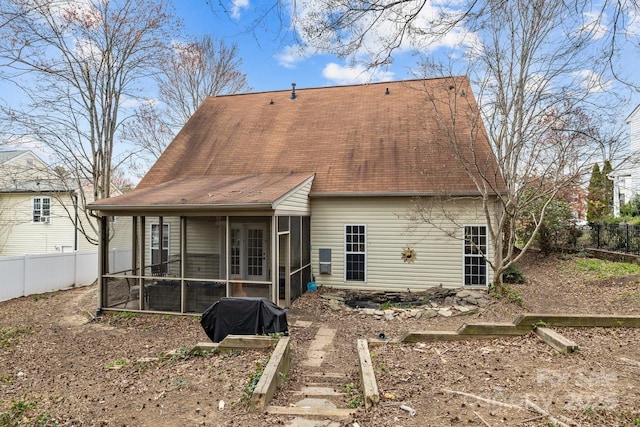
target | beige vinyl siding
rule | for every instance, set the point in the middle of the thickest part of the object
(91, 231)
(19, 235)
(24, 167)
(121, 233)
(204, 241)
(204, 234)
(298, 201)
(439, 249)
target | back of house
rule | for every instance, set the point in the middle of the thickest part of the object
(369, 186)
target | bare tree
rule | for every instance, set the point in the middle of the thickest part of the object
(371, 31)
(149, 131)
(532, 99)
(195, 70)
(536, 67)
(201, 68)
(77, 64)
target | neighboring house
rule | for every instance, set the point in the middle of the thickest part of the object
(259, 193)
(38, 211)
(37, 214)
(576, 196)
(626, 176)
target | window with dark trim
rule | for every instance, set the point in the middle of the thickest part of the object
(355, 249)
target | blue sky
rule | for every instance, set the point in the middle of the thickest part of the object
(269, 61)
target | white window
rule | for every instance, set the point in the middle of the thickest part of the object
(158, 264)
(41, 209)
(475, 251)
(355, 250)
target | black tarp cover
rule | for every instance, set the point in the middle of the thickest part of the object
(243, 316)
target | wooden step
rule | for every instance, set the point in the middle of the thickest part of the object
(321, 384)
(315, 376)
(316, 391)
(490, 329)
(337, 413)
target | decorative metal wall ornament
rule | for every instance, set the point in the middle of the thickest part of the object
(408, 255)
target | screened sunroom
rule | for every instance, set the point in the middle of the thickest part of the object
(164, 259)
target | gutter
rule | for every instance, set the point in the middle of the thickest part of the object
(159, 208)
(397, 194)
(75, 236)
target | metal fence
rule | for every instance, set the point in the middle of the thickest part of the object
(616, 237)
(36, 274)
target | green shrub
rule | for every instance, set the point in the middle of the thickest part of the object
(513, 274)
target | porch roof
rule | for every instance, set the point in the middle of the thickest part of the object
(258, 191)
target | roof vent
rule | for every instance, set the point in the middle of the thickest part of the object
(386, 92)
(293, 91)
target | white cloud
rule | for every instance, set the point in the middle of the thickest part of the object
(342, 75)
(292, 55)
(237, 6)
(537, 83)
(382, 31)
(592, 82)
(131, 102)
(26, 143)
(87, 50)
(633, 24)
(593, 25)
(75, 10)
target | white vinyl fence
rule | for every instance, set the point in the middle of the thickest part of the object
(36, 274)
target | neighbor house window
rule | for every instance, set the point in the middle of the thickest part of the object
(41, 209)
(475, 251)
(159, 266)
(355, 249)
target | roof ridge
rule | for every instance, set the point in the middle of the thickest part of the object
(352, 85)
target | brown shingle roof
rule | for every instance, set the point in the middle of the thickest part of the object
(355, 139)
(219, 191)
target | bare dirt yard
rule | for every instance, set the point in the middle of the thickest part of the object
(61, 366)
